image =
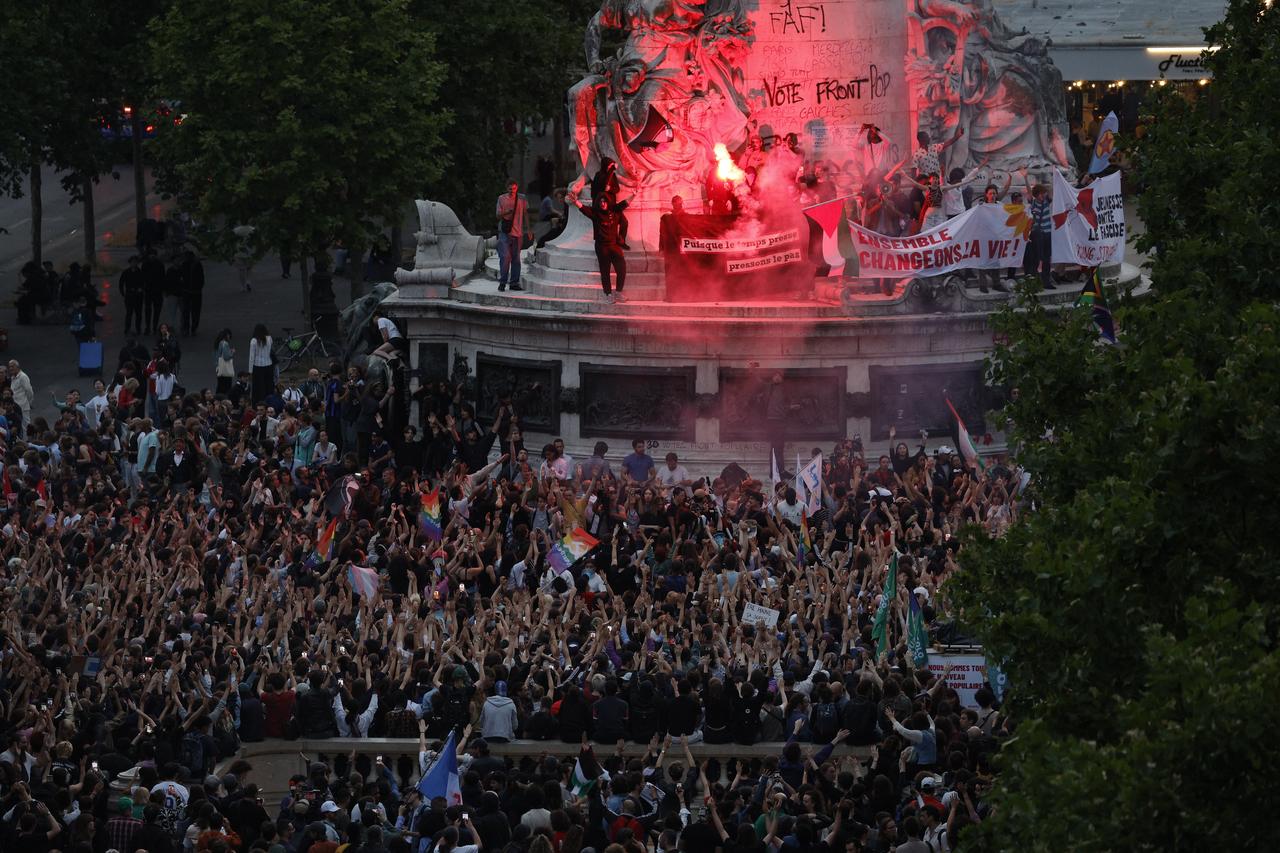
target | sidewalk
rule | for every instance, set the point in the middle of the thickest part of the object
(49, 354)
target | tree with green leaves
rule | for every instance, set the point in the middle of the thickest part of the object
(1137, 612)
(314, 122)
(127, 27)
(58, 89)
(509, 67)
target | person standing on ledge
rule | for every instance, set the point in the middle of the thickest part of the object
(513, 222)
(606, 223)
(605, 184)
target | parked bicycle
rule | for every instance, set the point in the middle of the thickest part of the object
(308, 347)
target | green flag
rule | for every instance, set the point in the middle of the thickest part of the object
(879, 628)
(917, 635)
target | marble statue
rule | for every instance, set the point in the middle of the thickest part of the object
(968, 70)
(445, 251)
(674, 89)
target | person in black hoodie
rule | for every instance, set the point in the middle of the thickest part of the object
(746, 714)
(314, 710)
(492, 822)
(683, 712)
(192, 292)
(646, 709)
(609, 715)
(859, 715)
(153, 285)
(252, 715)
(574, 717)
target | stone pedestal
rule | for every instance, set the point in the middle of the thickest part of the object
(696, 378)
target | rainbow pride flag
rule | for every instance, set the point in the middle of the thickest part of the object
(806, 542)
(572, 548)
(324, 545)
(429, 515)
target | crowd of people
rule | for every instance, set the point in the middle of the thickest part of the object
(186, 569)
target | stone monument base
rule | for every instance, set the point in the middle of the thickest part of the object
(699, 378)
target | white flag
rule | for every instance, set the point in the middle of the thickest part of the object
(774, 473)
(809, 483)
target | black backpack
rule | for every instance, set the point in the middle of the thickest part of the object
(826, 721)
(402, 723)
(860, 719)
(643, 722)
(192, 755)
(456, 710)
(746, 723)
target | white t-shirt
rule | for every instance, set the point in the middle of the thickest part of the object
(164, 383)
(953, 202)
(95, 407)
(669, 476)
(175, 793)
(385, 325)
(790, 512)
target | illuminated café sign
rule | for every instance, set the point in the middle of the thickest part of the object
(1175, 62)
(1115, 62)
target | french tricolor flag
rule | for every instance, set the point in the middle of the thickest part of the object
(441, 779)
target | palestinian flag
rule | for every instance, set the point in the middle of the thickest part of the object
(586, 771)
(1095, 298)
(827, 218)
(967, 448)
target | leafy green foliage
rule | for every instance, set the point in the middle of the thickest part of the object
(1136, 613)
(58, 88)
(509, 65)
(313, 120)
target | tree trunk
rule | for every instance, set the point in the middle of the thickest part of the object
(37, 208)
(557, 130)
(304, 263)
(355, 270)
(395, 248)
(90, 228)
(139, 175)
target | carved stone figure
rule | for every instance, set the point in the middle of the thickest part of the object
(630, 403)
(354, 320)
(659, 105)
(968, 70)
(445, 249)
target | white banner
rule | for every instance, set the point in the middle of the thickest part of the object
(1088, 224)
(986, 236)
(739, 244)
(756, 614)
(967, 674)
(790, 256)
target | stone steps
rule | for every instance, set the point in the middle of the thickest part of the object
(587, 300)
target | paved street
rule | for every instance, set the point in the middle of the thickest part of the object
(49, 353)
